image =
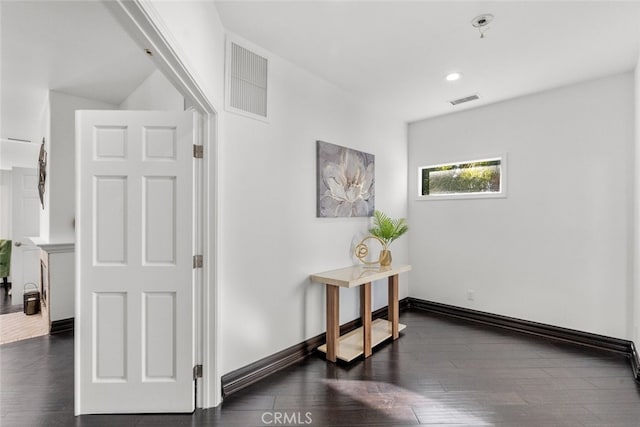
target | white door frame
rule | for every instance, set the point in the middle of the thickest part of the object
(140, 20)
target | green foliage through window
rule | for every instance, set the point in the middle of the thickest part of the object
(462, 178)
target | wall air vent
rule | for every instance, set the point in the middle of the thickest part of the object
(246, 81)
(465, 99)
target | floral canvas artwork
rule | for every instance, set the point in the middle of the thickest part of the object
(345, 182)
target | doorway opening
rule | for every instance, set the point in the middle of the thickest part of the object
(91, 63)
(74, 83)
(24, 306)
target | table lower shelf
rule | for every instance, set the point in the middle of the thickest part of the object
(350, 344)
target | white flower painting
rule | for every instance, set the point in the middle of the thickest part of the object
(345, 182)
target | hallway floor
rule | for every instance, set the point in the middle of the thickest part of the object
(16, 326)
(6, 302)
(442, 371)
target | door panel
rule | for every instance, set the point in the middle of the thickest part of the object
(110, 211)
(135, 339)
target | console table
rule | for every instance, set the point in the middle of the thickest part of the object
(361, 340)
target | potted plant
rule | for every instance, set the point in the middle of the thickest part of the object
(387, 230)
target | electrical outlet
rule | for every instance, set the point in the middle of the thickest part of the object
(470, 295)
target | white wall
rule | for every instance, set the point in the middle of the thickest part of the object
(636, 215)
(5, 204)
(18, 154)
(194, 29)
(154, 93)
(269, 219)
(24, 111)
(57, 219)
(62, 285)
(558, 249)
(270, 240)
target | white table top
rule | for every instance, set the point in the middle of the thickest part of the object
(356, 275)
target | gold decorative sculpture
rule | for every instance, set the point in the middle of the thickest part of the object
(362, 251)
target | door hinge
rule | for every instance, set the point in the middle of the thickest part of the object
(197, 261)
(198, 151)
(197, 371)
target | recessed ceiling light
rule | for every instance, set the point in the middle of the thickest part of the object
(452, 77)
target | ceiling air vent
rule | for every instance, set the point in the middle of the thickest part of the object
(465, 99)
(247, 81)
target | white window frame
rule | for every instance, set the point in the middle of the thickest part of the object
(479, 195)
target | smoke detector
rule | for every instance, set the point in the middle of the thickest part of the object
(481, 22)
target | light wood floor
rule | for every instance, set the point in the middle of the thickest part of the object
(441, 371)
(18, 326)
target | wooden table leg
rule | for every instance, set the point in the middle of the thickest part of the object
(333, 321)
(394, 308)
(365, 314)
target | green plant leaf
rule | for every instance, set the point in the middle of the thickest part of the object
(387, 229)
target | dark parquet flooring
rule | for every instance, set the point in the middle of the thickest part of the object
(442, 371)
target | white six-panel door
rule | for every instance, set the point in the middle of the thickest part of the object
(25, 223)
(134, 287)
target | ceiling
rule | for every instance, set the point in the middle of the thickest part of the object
(395, 54)
(392, 54)
(75, 47)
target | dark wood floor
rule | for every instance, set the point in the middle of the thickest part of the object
(440, 372)
(5, 302)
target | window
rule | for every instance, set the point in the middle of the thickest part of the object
(476, 178)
